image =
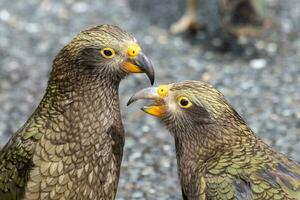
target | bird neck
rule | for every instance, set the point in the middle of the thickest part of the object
(83, 101)
(102, 93)
(204, 144)
(79, 125)
(197, 146)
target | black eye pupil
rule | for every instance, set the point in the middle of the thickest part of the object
(184, 102)
(107, 53)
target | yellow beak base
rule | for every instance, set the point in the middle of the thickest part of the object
(131, 68)
(157, 111)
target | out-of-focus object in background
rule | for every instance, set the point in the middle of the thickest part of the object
(189, 21)
(238, 17)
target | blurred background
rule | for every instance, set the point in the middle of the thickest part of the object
(257, 68)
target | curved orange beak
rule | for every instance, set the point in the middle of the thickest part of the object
(158, 108)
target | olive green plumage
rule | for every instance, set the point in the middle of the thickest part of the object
(218, 155)
(71, 147)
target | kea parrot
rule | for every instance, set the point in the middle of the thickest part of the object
(218, 155)
(71, 147)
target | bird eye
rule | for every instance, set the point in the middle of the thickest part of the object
(107, 52)
(184, 102)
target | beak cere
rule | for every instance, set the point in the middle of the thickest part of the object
(140, 64)
(158, 109)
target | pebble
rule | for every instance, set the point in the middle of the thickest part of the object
(258, 63)
(272, 48)
(4, 15)
(80, 7)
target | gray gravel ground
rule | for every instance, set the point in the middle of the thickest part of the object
(265, 89)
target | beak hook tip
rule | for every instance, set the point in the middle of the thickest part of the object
(130, 101)
(152, 81)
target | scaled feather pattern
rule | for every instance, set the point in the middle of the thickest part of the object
(218, 155)
(72, 145)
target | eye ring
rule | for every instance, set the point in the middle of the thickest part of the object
(184, 102)
(107, 52)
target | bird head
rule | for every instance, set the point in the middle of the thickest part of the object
(185, 104)
(104, 51)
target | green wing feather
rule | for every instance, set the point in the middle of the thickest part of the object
(16, 162)
(245, 175)
(286, 176)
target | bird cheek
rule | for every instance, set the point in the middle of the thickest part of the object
(172, 106)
